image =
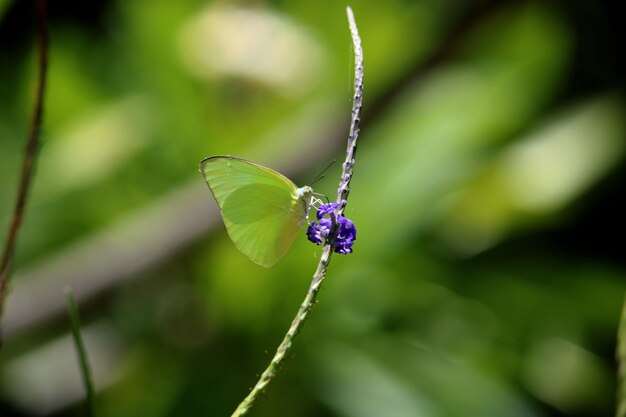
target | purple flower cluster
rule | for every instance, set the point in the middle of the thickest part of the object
(319, 231)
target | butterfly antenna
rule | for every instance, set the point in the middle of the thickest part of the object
(321, 174)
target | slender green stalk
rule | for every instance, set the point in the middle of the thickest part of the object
(342, 198)
(621, 361)
(30, 152)
(346, 176)
(83, 361)
(270, 373)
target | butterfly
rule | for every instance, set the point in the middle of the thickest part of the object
(262, 210)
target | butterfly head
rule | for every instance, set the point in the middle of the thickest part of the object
(305, 196)
(304, 193)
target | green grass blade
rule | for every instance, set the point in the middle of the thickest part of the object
(621, 360)
(85, 370)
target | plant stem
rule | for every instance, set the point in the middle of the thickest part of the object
(83, 361)
(346, 176)
(271, 371)
(621, 362)
(30, 152)
(342, 199)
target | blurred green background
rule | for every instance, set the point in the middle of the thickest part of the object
(485, 279)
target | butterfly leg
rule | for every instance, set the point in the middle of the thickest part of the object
(315, 202)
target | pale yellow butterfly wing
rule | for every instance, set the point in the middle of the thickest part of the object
(260, 207)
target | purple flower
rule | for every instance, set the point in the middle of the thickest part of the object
(346, 235)
(326, 210)
(318, 232)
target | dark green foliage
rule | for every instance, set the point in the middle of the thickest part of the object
(485, 281)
